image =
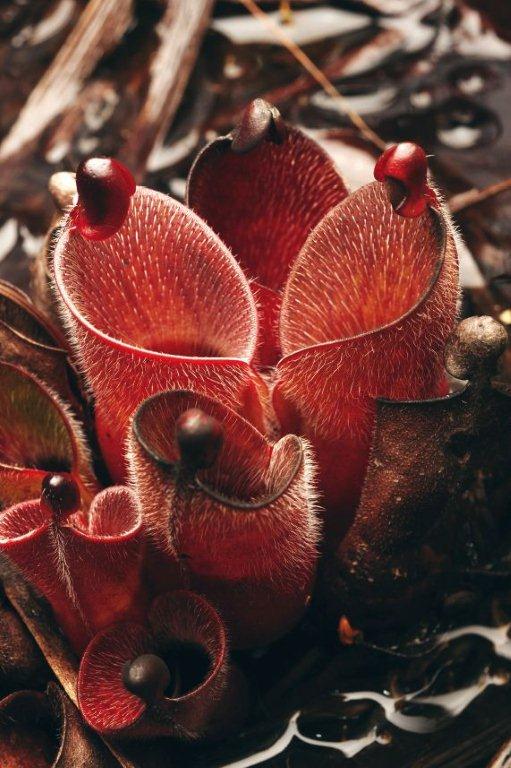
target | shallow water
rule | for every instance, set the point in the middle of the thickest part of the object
(418, 712)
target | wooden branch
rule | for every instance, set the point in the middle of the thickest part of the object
(503, 758)
(181, 31)
(99, 28)
(472, 197)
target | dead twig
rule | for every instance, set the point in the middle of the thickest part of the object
(315, 72)
(472, 197)
(180, 31)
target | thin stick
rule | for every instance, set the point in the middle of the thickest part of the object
(314, 71)
(465, 200)
(286, 14)
(503, 758)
